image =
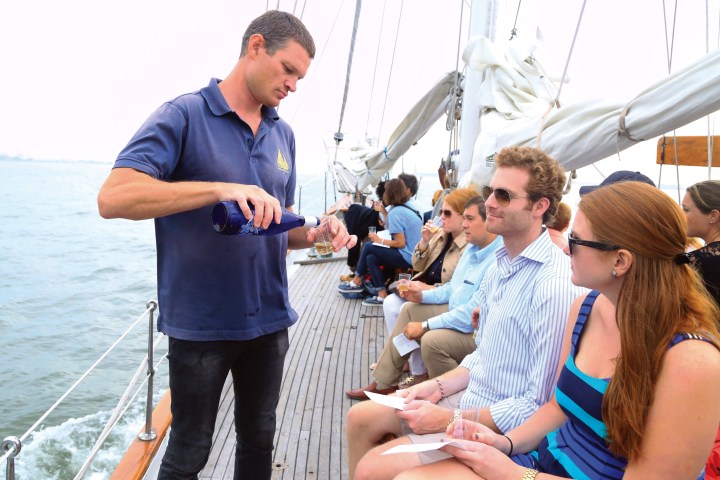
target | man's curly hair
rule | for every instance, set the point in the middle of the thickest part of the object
(547, 177)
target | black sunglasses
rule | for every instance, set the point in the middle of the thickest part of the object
(502, 196)
(586, 243)
(446, 213)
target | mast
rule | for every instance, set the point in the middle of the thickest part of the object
(483, 22)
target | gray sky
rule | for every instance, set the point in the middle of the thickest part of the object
(80, 76)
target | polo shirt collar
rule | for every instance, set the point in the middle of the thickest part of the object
(218, 106)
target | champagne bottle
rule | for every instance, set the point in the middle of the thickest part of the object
(228, 219)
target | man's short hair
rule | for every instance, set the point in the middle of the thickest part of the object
(277, 28)
(410, 181)
(480, 204)
(547, 177)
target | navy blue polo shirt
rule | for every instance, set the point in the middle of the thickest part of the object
(211, 286)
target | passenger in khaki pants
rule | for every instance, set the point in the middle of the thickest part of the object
(442, 349)
(442, 323)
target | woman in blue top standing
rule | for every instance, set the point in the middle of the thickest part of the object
(404, 224)
(637, 395)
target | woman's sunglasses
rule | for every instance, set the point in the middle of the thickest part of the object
(572, 241)
(502, 196)
(446, 213)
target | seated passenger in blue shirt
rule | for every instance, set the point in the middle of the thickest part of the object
(381, 255)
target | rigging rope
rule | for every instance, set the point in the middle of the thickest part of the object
(669, 50)
(377, 56)
(513, 32)
(338, 134)
(711, 117)
(317, 62)
(453, 110)
(392, 63)
(556, 102)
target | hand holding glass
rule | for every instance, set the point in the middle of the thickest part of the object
(372, 230)
(403, 282)
(436, 224)
(323, 239)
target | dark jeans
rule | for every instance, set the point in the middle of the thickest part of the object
(373, 257)
(197, 373)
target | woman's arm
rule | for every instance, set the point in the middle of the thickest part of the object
(426, 250)
(684, 417)
(398, 241)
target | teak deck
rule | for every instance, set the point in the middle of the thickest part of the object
(331, 348)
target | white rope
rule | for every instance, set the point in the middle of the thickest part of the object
(711, 117)
(377, 56)
(392, 63)
(309, 81)
(84, 375)
(669, 51)
(126, 400)
(358, 6)
(556, 102)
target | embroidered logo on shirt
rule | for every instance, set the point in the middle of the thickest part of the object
(282, 163)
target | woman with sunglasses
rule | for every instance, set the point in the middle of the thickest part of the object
(637, 395)
(702, 209)
(435, 257)
(404, 224)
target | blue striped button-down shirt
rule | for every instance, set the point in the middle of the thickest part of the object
(465, 281)
(524, 306)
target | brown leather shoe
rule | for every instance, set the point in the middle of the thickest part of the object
(359, 393)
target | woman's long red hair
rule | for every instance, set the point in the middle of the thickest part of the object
(659, 298)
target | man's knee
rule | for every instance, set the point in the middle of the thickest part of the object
(371, 422)
(374, 465)
(360, 417)
(433, 345)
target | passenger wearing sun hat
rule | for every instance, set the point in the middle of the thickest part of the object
(619, 176)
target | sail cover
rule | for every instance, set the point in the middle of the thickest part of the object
(378, 161)
(513, 92)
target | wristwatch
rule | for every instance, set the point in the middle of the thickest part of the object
(530, 474)
(425, 326)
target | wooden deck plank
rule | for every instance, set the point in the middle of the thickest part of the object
(331, 348)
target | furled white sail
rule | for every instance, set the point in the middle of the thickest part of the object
(514, 94)
(378, 161)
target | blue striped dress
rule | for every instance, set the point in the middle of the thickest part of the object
(578, 449)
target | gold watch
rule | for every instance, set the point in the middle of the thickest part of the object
(530, 474)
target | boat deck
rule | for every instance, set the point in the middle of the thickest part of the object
(331, 348)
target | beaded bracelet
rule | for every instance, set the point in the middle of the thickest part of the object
(512, 447)
(442, 392)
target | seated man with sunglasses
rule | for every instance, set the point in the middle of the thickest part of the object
(439, 316)
(522, 310)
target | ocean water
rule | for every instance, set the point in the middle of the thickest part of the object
(70, 284)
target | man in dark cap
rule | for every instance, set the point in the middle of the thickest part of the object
(619, 176)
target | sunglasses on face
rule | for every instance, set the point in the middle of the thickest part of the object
(446, 213)
(572, 241)
(502, 196)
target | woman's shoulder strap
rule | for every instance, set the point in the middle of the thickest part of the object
(681, 337)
